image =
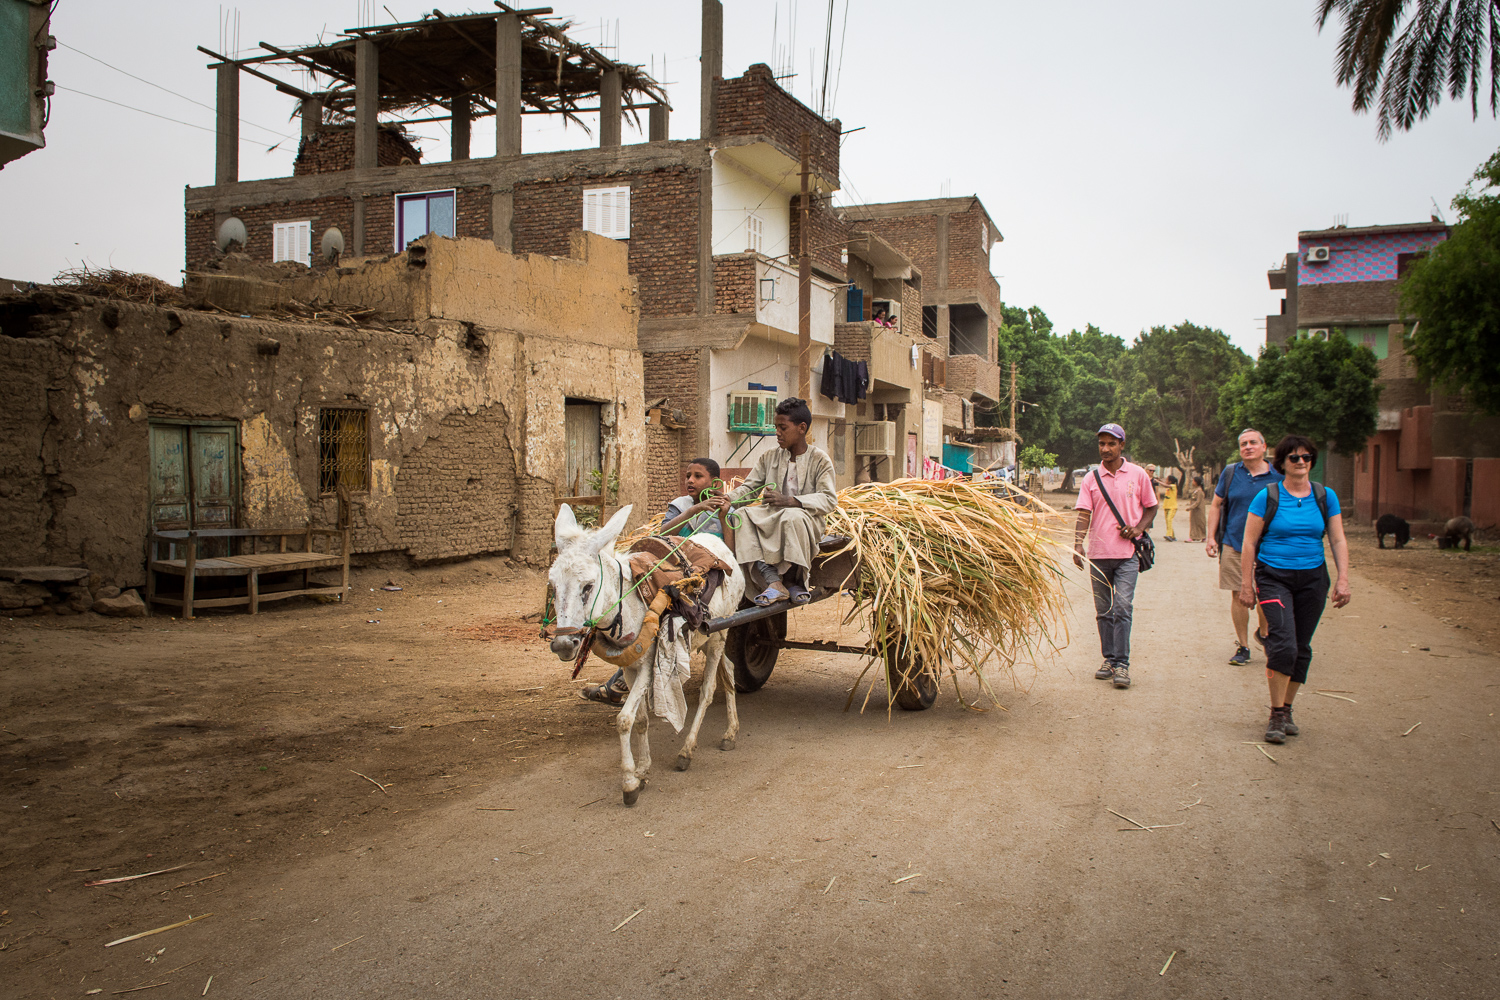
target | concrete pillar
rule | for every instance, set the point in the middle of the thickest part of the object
(227, 147)
(940, 238)
(502, 213)
(609, 109)
(312, 115)
(366, 101)
(508, 85)
(711, 65)
(460, 131)
(944, 328)
(705, 250)
(658, 123)
(357, 227)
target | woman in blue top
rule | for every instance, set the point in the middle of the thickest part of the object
(1285, 569)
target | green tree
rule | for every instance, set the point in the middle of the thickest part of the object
(1168, 394)
(1324, 389)
(1033, 457)
(1043, 374)
(1090, 399)
(1400, 55)
(1454, 292)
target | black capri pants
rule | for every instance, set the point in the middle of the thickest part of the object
(1293, 602)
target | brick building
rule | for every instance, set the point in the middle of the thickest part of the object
(948, 241)
(1430, 458)
(711, 225)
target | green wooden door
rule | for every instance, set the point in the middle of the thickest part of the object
(194, 476)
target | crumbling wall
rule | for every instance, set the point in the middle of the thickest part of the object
(448, 400)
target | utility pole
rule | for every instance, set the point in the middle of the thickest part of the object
(1012, 399)
(804, 288)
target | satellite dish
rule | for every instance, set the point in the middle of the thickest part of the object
(232, 230)
(333, 243)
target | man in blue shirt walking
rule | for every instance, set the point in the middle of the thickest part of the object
(1238, 485)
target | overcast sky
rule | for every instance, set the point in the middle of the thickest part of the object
(1146, 162)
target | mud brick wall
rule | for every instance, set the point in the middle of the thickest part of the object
(852, 340)
(663, 230)
(913, 235)
(455, 494)
(331, 149)
(673, 374)
(333, 211)
(826, 234)
(968, 264)
(734, 285)
(754, 104)
(911, 310)
(1377, 301)
(664, 462)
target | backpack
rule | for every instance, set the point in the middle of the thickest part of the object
(1223, 527)
(1273, 500)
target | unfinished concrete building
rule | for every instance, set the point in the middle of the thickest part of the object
(419, 399)
(710, 225)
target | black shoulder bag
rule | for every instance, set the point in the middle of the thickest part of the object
(1145, 548)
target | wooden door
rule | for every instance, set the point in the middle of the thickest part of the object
(581, 425)
(194, 476)
(169, 477)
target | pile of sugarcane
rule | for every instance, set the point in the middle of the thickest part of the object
(952, 574)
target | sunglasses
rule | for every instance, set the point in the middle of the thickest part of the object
(1299, 458)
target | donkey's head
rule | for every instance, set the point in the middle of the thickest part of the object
(585, 577)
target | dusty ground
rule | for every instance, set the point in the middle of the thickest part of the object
(497, 857)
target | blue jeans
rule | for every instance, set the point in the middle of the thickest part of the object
(1114, 593)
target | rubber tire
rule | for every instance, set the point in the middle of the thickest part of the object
(752, 651)
(921, 695)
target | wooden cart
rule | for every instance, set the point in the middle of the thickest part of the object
(757, 635)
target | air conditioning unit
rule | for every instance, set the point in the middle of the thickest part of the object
(752, 411)
(1318, 255)
(878, 437)
(1318, 333)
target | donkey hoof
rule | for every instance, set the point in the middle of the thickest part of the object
(727, 743)
(684, 762)
(631, 795)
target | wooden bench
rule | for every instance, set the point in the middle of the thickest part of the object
(176, 553)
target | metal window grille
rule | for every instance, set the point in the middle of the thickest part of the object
(343, 450)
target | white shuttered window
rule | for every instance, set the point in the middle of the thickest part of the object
(606, 211)
(755, 233)
(292, 241)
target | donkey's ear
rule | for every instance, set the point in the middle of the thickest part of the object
(567, 530)
(605, 536)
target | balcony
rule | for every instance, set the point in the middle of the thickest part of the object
(971, 376)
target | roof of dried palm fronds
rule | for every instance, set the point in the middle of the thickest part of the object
(952, 573)
(112, 283)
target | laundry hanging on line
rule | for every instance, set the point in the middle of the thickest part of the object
(844, 380)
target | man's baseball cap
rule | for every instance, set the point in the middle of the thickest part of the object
(1113, 430)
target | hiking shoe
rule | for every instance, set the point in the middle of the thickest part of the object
(1241, 656)
(1260, 640)
(1287, 725)
(1105, 671)
(1122, 677)
(1275, 733)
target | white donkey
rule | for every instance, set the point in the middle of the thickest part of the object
(587, 580)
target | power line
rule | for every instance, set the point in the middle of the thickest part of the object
(153, 114)
(839, 78)
(158, 86)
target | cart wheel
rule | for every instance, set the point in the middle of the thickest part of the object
(918, 689)
(752, 650)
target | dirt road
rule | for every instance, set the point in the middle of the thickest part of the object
(945, 853)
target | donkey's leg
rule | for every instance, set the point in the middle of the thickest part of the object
(643, 733)
(726, 671)
(635, 702)
(705, 698)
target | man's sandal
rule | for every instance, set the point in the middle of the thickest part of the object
(799, 594)
(774, 594)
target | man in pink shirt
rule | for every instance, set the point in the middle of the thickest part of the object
(1113, 567)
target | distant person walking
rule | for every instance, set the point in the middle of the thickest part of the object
(1116, 505)
(1168, 498)
(1285, 572)
(1197, 511)
(1237, 486)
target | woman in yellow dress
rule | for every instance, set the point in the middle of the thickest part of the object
(1169, 506)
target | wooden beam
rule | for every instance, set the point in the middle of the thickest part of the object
(285, 88)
